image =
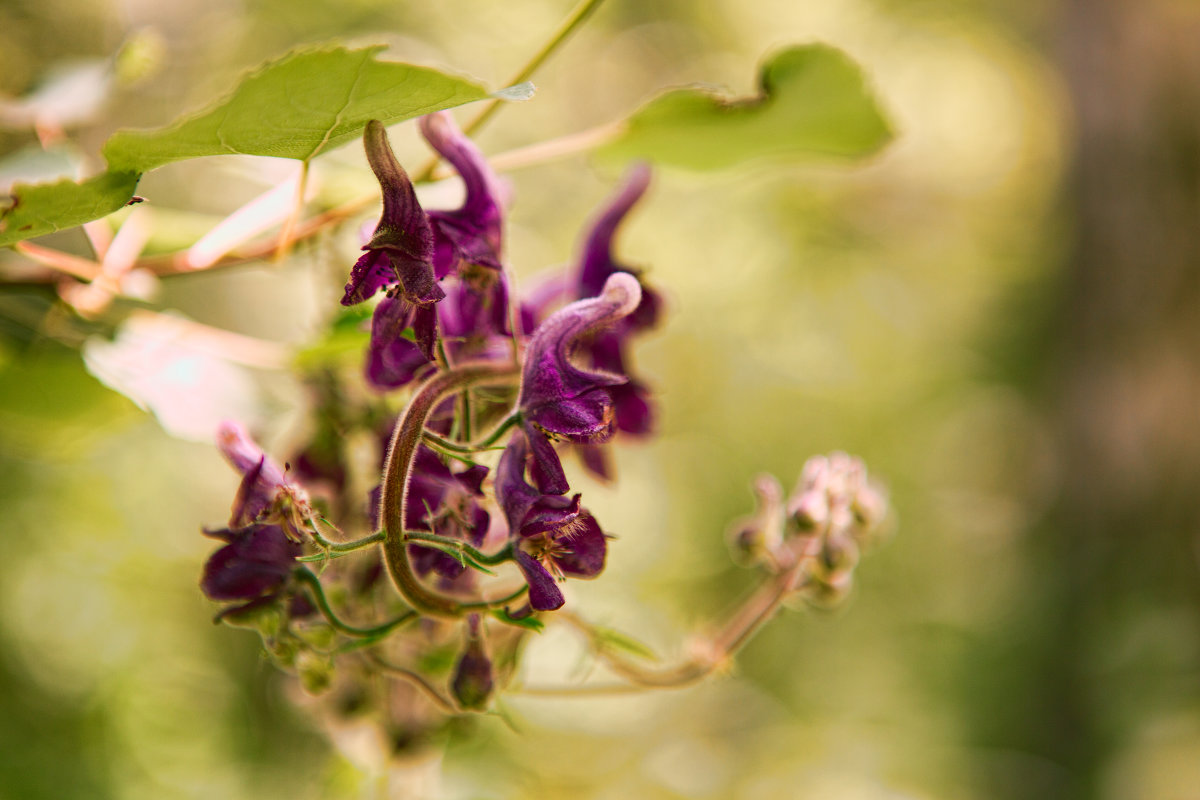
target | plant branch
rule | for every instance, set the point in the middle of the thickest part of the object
(313, 584)
(401, 454)
(573, 21)
(714, 652)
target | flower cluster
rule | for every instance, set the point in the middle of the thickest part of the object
(821, 528)
(477, 545)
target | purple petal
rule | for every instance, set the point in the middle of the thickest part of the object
(595, 460)
(549, 378)
(372, 272)
(262, 478)
(254, 496)
(258, 560)
(544, 594)
(470, 234)
(635, 415)
(596, 263)
(588, 546)
(550, 512)
(513, 492)
(472, 479)
(588, 418)
(393, 360)
(546, 470)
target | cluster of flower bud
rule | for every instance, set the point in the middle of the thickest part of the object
(820, 529)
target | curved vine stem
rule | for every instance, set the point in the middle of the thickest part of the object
(403, 450)
(313, 584)
(716, 651)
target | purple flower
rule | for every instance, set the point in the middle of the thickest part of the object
(473, 680)
(469, 236)
(606, 350)
(446, 503)
(392, 359)
(401, 249)
(399, 253)
(265, 494)
(559, 398)
(553, 538)
(253, 567)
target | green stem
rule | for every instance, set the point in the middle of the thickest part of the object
(467, 449)
(401, 454)
(577, 17)
(417, 680)
(313, 583)
(745, 622)
(499, 557)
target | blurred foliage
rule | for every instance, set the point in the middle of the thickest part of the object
(926, 312)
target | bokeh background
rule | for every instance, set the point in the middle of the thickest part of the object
(998, 313)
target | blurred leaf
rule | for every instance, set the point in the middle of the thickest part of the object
(814, 104)
(607, 638)
(35, 210)
(297, 106)
(529, 623)
(343, 344)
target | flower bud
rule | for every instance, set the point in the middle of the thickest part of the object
(757, 538)
(315, 671)
(473, 680)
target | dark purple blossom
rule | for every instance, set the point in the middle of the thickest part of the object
(266, 522)
(445, 503)
(553, 537)
(265, 494)
(606, 349)
(473, 680)
(400, 253)
(470, 235)
(401, 249)
(252, 568)
(392, 359)
(468, 243)
(558, 398)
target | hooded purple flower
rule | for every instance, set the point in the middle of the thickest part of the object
(606, 349)
(559, 398)
(553, 537)
(399, 253)
(470, 235)
(266, 521)
(265, 494)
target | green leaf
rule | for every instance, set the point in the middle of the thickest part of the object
(38, 209)
(814, 104)
(529, 623)
(297, 106)
(607, 638)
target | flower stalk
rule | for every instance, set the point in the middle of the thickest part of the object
(402, 451)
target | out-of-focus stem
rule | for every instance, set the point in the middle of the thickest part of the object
(576, 18)
(716, 650)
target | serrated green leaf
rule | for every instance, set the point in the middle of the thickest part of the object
(38, 209)
(297, 106)
(615, 640)
(814, 104)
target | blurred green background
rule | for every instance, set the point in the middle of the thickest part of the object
(999, 314)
